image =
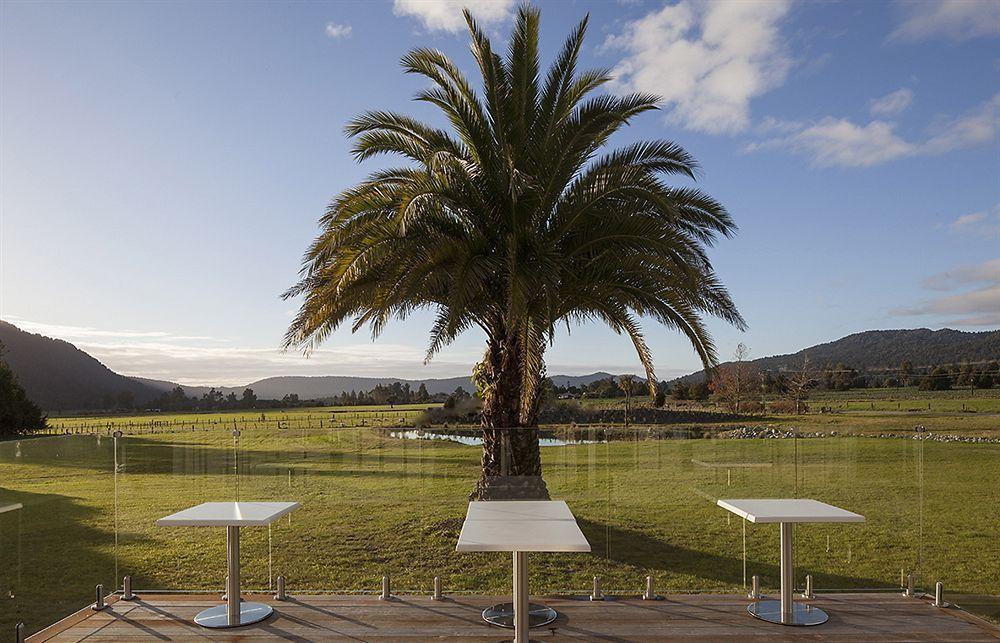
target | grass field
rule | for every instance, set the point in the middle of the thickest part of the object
(373, 504)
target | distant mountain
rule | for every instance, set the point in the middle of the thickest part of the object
(59, 376)
(884, 349)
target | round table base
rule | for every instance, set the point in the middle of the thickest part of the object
(502, 615)
(802, 613)
(216, 617)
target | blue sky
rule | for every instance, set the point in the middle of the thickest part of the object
(163, 166)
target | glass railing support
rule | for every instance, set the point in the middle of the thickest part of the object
(127, 594)
(597, 594)
(437, 596)
(808, 593)
(908, 592)
(280, 592)
(754, 588)
(650, 593)
(386, 589)
(19, 633)
(939, 595)
(99, 603)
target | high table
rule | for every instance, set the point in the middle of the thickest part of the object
(232, 516)
(787, 512)
(520, 526)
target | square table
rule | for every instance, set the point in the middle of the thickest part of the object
(232, 516)
(786, 512)
(520, 526)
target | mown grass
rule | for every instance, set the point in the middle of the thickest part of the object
(374, 505)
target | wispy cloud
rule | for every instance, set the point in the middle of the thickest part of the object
(893, 103)
(334, 30)
(983, 224)
(978, 305)
(707, 60)
(840, 142)
(956, 20)
(201, 360)
(446, 15)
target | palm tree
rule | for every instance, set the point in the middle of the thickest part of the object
(513, 221)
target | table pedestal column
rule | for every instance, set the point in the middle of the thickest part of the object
(507, 614)
(787, 611)
(520, 597)
(235, 612)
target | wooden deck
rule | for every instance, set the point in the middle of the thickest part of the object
(853, 617)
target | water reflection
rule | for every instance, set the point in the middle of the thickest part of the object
(472, 439)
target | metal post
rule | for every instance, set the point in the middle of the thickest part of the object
(436, 596)
(787, 573)
(939, 595)
(809, 588)
(520, 597)
(233, 581)
(649, 594)
(754, 588)
(127, 594)
(280, 595)
(99, 603)
(386, 589)
(19, 633)
(597, 594)
(908, 592)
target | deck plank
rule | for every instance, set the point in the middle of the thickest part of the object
(697, 617)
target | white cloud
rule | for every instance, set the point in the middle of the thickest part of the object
(892, 103)
(842, 143)
(446, 15)
(949, 19)
(707, 60)
(986, 272)
(334, 30)
(982, 224)
(979, 306)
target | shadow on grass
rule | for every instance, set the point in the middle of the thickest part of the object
(642, 550)
(51, 558)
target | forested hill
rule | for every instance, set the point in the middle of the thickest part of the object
(59, 376)
(887, 349)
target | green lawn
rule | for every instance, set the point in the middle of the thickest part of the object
(373, 505)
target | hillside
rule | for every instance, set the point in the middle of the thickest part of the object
(887, 349)
(59, 376)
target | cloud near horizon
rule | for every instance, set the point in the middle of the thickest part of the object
(707, 60)
(334, 30)
(189, 361)
(979, 306)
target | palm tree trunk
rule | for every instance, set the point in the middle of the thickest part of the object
(512, 463)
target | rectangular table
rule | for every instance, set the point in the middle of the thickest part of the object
(232, 516)
(521, 526)
(786, 512)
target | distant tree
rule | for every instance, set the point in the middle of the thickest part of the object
(249, 399)
(939, 379)
(18, 414)
(681, 391)
(422, 394)
(906, 373)
(700, 391)
(626, 383)
(798, 384)
(737, 381)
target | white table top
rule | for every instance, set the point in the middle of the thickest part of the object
(522, 535)
(519, 525)
(229, 514)
(13, 507)
(519, 510)
(765, 510)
